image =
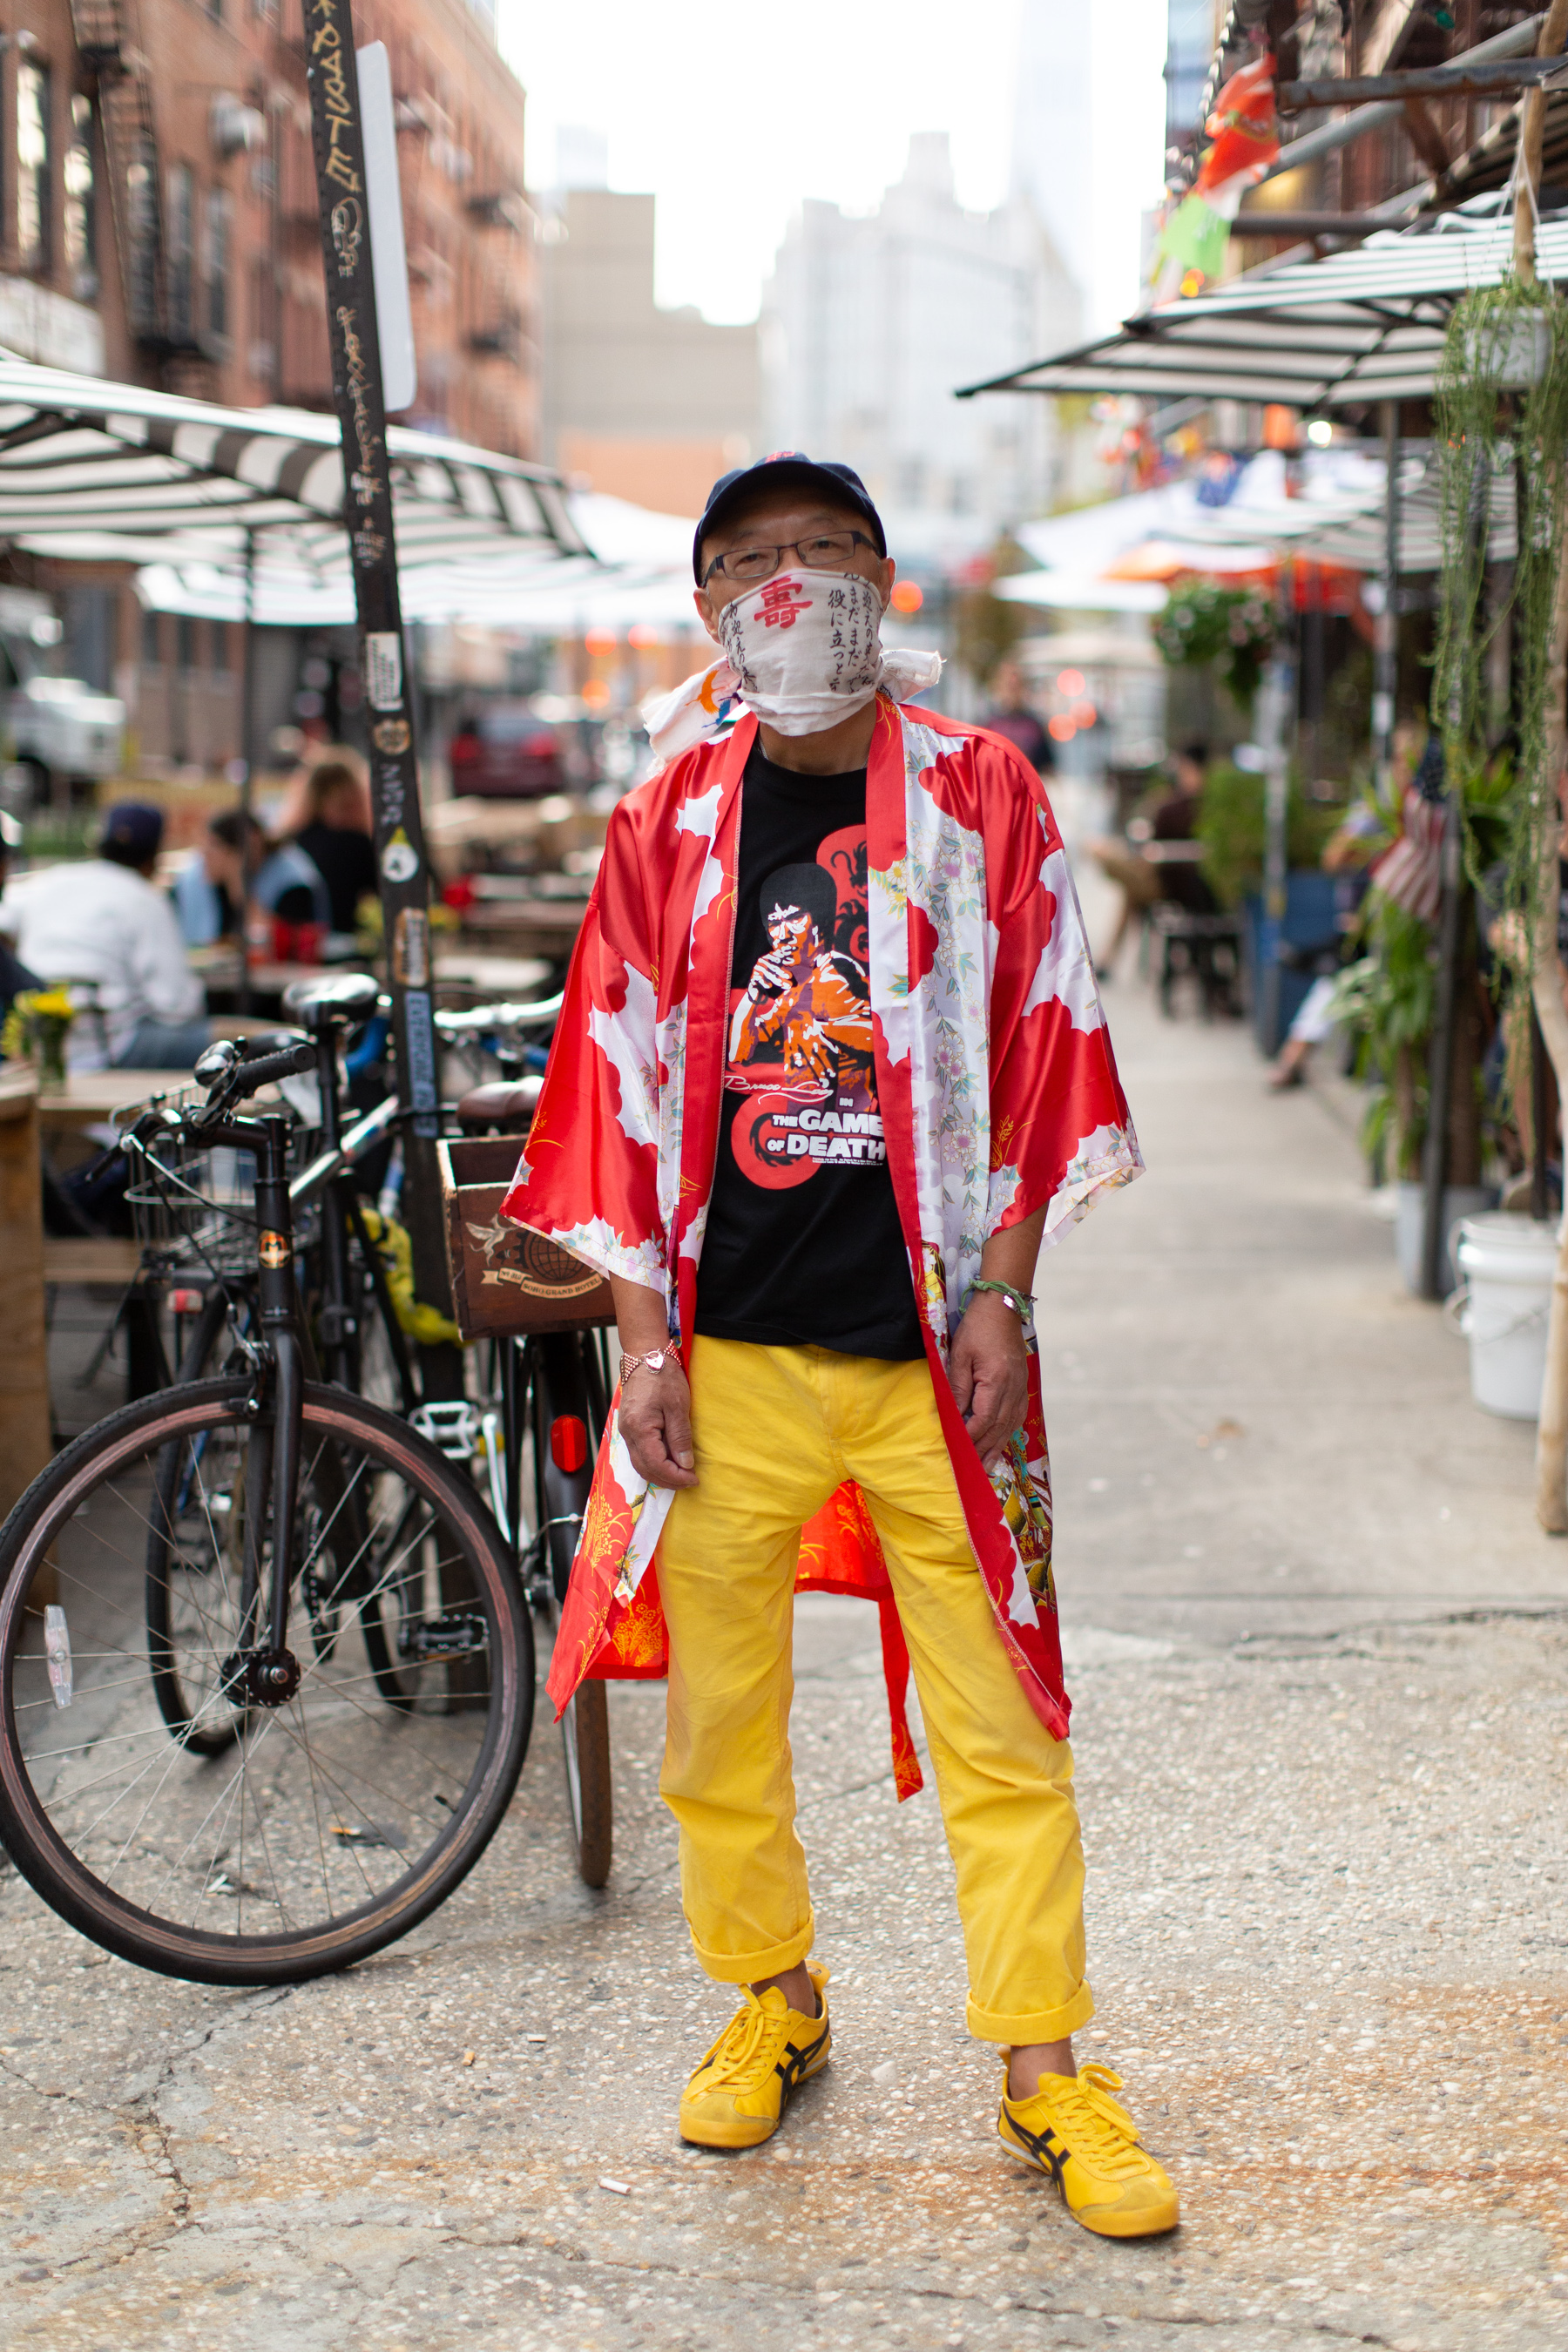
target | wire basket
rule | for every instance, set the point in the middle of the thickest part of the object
(193, 1205)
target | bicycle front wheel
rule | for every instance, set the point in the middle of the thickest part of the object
(172, 1801)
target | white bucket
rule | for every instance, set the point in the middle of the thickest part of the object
(1459, 1200)
(1506, 1269)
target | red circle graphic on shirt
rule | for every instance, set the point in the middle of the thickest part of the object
(760, 1139)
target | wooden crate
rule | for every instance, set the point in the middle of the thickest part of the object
(507, 1277)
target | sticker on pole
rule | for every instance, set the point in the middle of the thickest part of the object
(383, 670)
(400, 859)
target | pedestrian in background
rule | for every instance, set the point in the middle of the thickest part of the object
(831, 1066)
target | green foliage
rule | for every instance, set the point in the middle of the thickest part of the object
(1232, 628)
(1489, 432)
(1388, 999)
(1233, 830)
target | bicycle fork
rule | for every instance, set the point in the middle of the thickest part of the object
(273, 1673)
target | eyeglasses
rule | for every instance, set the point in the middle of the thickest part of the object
(830, 551)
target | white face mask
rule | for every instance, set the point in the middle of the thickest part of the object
(805, 647)
(803, 650)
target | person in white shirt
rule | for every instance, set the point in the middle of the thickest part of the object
(102, 925)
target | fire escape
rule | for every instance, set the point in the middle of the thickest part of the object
(116, 67)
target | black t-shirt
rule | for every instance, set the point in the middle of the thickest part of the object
(345, 861)
(804, 1247)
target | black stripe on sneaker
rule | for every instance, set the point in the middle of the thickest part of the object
(789, 2073)
(1042, 2146)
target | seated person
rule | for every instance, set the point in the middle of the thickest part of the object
(1143, 881)
(209, 892)
(13, 974)
(328, 817)
(100, 923)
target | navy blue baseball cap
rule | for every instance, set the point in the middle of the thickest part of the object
(786, 470)
(133, 832)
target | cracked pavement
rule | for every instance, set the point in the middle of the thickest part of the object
(1320, 1655)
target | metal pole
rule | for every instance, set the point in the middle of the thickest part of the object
(1439, 1091)
(405, 873)
(1277, 692)
(1385, 648)
(248, 771)
(1540, 1109)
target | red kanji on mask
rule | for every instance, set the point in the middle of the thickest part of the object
(778, 608)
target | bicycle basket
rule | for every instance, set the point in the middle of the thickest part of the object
(193, 1205)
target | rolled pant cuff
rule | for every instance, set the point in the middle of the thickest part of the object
(1037, 2025)
(751, 1968)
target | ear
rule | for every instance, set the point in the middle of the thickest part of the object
(707, 612)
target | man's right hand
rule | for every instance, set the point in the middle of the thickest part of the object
(656, 1423)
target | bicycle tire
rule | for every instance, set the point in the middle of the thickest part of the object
(586, 1736)
(439, 1779)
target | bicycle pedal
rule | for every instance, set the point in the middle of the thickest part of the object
(452, 1427)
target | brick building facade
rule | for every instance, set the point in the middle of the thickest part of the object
(158, 224)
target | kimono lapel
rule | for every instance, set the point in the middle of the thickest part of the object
(709, 957)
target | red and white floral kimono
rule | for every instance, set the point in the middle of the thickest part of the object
(998, 1093)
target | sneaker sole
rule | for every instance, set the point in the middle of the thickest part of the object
(1106, 2225)
(818, 2060)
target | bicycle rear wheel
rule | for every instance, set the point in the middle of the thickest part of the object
(232, 1836)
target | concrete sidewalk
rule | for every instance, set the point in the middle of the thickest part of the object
(1321, 1674)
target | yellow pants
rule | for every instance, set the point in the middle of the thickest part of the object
(777, 1430)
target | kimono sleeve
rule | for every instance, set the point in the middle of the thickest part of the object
(1060, 1130)
(588, 1177)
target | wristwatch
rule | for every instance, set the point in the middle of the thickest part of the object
(655, 1358)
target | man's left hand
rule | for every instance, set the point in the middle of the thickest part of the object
(988, 1366)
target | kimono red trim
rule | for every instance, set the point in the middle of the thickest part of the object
(998, 1093)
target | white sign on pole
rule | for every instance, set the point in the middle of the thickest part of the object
(383, 202)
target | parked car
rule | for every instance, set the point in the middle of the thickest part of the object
(64, 730)
(504, 751)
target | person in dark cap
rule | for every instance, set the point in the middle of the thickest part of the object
(102, 925)
(829, 1067)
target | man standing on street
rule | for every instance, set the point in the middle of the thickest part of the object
(831, 1066)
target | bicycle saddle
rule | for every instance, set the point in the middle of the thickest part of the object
(351, 997)
(504, 1107)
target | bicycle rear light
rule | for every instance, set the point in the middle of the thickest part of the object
(568, 1442)
(186, 1302)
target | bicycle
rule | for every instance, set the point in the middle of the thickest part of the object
(266, 1674)
(549, 1388)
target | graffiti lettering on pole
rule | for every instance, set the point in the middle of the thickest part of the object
(348, 231)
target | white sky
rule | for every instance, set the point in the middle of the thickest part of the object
(730, 116)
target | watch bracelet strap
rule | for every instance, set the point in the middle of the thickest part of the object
(1022, 1307)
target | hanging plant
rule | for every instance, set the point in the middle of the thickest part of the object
(1502, 416)
(1231, 627)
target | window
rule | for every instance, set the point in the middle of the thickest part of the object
(177, 250)
(186, 641)
(216, 258)
(33, 225)
(151, 649)
(79, 225)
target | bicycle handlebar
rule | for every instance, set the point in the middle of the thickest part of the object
(499, 1016)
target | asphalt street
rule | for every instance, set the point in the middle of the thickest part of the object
(1320, 1655)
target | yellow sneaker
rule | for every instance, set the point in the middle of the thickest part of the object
(737, 2095)
(1074, 2130)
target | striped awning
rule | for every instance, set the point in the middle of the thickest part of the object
(1367, 325)
(103, 472)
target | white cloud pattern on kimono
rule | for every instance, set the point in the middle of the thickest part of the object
(1064, 970)
(626, 1039)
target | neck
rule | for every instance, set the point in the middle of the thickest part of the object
(832, 751)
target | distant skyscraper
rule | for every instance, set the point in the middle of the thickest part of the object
(871, 323)
(1053, 127)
